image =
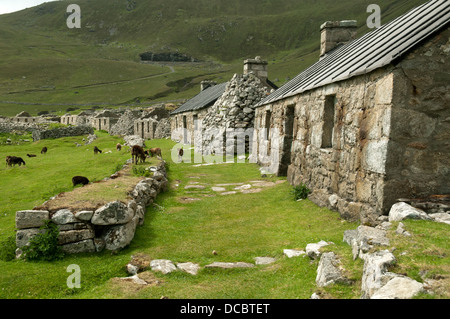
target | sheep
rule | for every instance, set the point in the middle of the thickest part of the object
(119, 147)
(13, 160)
(31, 155)
(137, 152)
(97, 150)
(44, 150)
(76, 180)
(180, 154)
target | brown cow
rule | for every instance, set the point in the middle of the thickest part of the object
(155, 151)
(137, 153)
(119, 147)
(180, 155)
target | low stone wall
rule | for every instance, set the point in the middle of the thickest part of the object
(111, 227)
(62, 132)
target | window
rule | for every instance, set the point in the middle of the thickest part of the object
(328, 121)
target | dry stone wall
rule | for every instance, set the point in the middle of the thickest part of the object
(111, 227)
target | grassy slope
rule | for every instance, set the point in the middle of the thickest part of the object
(238, 227)
(42, 61)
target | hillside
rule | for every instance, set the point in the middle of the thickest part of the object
(47, 66)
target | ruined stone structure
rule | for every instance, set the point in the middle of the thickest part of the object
(368, 123)
(205, 120)
(153, 123)
(110, 227)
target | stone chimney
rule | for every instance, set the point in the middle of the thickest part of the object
(206, 84)
(336, 33)
(258, 67)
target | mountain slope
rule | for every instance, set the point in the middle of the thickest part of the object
(44, 62)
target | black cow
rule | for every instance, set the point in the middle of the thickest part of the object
(77, 180)
(44, 150)
(97, 150)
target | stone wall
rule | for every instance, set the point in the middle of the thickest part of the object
(111, 227)
(42, 134)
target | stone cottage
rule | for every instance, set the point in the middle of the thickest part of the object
(369, 122)
(221, 110)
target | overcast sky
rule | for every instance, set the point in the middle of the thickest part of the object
(7, 6)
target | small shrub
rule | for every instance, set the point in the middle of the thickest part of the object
(8, 249)
(141, 171)
(44, 246)
(301, 192)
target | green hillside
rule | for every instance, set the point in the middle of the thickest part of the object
(44, 65)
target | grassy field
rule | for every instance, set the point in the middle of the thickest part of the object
(188, 225)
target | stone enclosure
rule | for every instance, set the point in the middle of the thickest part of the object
(111, 227)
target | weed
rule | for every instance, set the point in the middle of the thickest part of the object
(8, 249)
(44, 246)
(301, 192)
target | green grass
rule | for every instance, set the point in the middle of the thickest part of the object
(238, 227)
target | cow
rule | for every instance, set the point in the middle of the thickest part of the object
(137, 153)
(31, 155)
(119, 147)
(44, 150)
(77, 180)
(155, 151)
(13, 160)
(97, 150)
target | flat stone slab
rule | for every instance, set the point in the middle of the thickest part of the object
(243, 187)
(264, 260)
(228, 193)
(251, 191)
(225, 265)
(218, 189)
(189, 267)
(194, 187)
(293, 252)
(162, 265)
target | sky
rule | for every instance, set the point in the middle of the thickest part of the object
(7, 6)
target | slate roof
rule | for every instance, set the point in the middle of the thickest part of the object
(372, 51)
(204, 99)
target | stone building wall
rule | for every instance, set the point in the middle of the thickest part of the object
(387, 135)
(183, 126)
(103, 123)
(44, 133)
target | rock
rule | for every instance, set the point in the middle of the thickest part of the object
(31, 218)
(329, 271)
(370, 236)
(162, 265)
(400, 287)
(189, 267)
(132, 269)
(218, 189)
(195, 187)
(441, 217)
(84, 215)
(114, 213)
(225, 265)
(315, 296)
(264, 260)
(120, 236)
(72, 236)
(23, 236)
(131, 140)
(64, 216)
(85, 246)
(401, 211)
(401, 230)
(293, 252)
(375, 272)
(313, 250)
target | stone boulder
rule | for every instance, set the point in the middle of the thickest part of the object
(313, 250)
(120, 236)
(162, 265)
(64, 216)
(131, 140)
(114, 213)
(401, 211)
(329, 271)
(400, 287)
(31, 218)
